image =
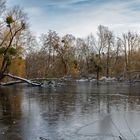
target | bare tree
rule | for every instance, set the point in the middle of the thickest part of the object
(101, 40)
(105, 45)
(130, 43)
(66, 52)
(49, 43)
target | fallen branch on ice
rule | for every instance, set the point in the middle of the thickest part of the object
(20, 80)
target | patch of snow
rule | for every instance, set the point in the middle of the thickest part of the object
(107, 79)
(93, 80)
(82, 80)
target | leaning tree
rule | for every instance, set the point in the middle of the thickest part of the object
(13, 25)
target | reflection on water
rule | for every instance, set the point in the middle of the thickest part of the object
(80, 111)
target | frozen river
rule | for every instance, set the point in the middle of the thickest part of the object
(78, 111)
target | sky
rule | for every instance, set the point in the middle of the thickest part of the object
(81, 17)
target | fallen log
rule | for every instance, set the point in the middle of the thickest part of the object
(11, 83)
(23, 80)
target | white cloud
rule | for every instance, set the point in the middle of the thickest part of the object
(64, 1)
(34, 11)
(120, 16)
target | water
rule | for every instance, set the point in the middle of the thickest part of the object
(79, 111)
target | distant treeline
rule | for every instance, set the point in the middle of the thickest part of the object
(56, 56)
(103, 55)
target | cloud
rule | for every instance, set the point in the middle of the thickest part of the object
(64, 1)
(45, 2)
(34, 11)
(81, 17)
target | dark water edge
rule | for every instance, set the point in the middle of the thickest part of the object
(78, 111)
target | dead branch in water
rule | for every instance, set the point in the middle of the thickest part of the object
(20, 80)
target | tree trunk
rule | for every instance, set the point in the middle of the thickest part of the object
(107, 61)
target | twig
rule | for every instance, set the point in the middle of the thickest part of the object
(130, 128)
(118, 130)
(41, 138)
(120, 138)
